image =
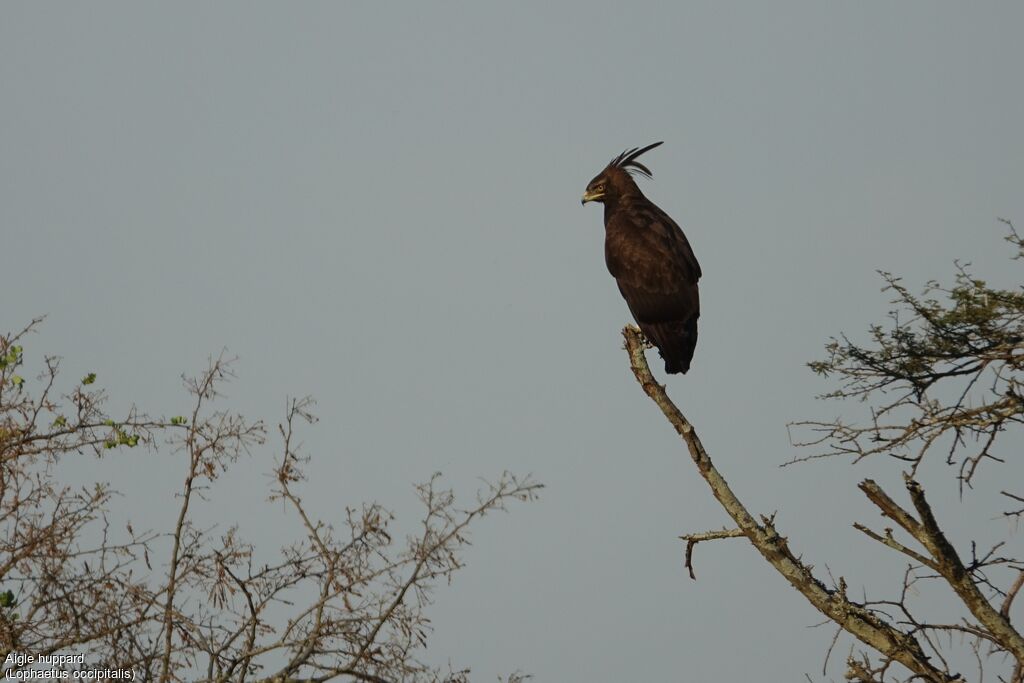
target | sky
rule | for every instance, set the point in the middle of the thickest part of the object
(378, 205)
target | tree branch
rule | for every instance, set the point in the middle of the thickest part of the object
(694, 539)
(891, 542)
(1011, 594)
(855, 619)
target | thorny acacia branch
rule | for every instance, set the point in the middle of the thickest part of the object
(342, 601)
(854, 618)
(944, 376)
(946, 561)
(945, 373)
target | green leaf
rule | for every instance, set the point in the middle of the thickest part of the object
(89, 379)
(60, 421)
(13, 357)
(17, 380)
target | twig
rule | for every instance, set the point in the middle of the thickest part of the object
(891, 542)
(1011, 594)
(694, 539)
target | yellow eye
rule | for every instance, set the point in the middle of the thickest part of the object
(600, 188)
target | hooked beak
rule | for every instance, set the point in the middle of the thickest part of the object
(589, 196)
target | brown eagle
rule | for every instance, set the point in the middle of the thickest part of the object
(650, 259)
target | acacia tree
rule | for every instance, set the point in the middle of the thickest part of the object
(942, 380)
(343, 602)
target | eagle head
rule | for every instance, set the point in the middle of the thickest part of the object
(616, 180)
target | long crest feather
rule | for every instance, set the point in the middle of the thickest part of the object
(627, 160)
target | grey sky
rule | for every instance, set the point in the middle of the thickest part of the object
(379, 206)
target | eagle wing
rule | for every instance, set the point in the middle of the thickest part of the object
(657, 273)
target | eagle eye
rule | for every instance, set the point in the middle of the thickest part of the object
(600, 187)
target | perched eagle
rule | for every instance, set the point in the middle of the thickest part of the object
(650, 259)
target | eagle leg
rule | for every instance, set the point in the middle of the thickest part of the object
(648, 344)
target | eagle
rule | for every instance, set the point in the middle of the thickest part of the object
(650, 259)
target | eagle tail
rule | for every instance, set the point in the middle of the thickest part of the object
(676, 342)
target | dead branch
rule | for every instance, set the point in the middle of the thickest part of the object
(1011, 594)
(694, 539)
(945, 561)
(893, 643)
(891, 542)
